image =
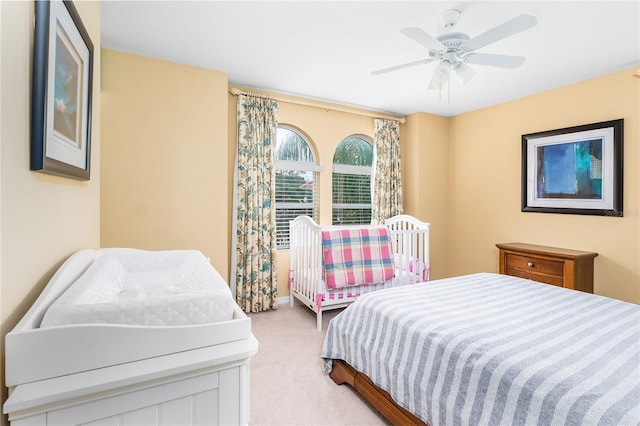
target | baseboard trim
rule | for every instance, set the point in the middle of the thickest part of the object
(283, 300)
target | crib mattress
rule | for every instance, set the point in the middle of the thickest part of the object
(178, 287)
(38, 349)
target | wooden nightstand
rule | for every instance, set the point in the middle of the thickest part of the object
(557, 266)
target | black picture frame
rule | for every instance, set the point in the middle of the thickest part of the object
(62, 84)
(574, 170)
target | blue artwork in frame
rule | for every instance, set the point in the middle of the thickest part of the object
(570, 170)
(576, 170)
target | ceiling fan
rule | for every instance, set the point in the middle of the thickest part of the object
(454, 50)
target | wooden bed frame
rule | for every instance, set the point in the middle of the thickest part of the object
(378, 398)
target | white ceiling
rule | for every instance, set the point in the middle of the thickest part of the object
(327, 49)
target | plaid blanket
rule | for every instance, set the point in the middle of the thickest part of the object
(356, 256)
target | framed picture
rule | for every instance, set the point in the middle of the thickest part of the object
(575, 170)
(61, 91)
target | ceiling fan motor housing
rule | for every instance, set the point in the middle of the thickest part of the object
(454, 48)
(454, 41)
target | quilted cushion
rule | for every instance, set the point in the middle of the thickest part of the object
(160, 288)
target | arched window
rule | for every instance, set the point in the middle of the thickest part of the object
(296, 181)
(351, 181)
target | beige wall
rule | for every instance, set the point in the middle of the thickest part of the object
(44, 219)
(426, 182)
(485, 183)
(472, 200)
(164, 159)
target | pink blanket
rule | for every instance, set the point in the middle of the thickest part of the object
(356, 256)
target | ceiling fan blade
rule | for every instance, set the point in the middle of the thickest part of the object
(398, 67)
(421, 37)
(506, 29)
(493, 60)
(441, 75)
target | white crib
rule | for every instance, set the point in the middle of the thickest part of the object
(410, 247)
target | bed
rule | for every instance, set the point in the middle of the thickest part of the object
(158, 326)
(490, 349)
(331, 266)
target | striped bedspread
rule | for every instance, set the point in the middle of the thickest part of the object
(356, 256)
(489, 349)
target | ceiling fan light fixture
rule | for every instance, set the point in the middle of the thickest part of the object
(441, 75)
(464, 72)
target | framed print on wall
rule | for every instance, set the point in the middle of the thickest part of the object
(575, 170)
(61, 92)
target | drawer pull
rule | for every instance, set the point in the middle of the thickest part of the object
(530, 264)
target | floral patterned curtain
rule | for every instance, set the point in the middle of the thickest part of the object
(254, 266)
(387, 186)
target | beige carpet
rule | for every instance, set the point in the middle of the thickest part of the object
(287, 384)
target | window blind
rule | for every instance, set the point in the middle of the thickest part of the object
(351, 198)
(295, 195)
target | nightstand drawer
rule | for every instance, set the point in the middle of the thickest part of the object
(557, 266)
(530, 275)
(535, 265)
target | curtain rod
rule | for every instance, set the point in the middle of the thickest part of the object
(312, 104)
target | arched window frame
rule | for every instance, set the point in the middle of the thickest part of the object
(308, 206)
(356, 212)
